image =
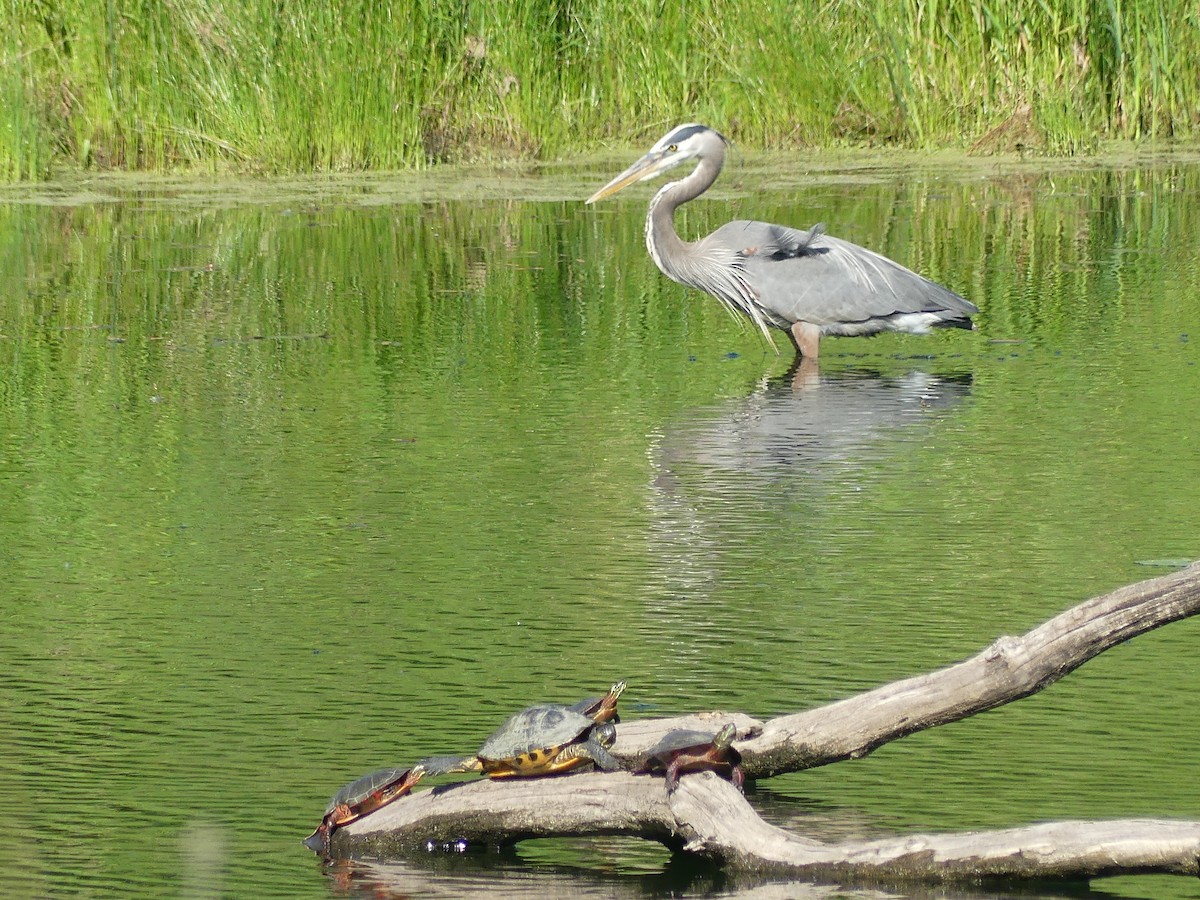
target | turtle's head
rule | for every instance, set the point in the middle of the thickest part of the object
(605, 735)
(724, 738)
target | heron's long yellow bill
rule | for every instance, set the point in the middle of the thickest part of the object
(646, 167)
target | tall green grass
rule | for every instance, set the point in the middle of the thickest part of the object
(305, 85)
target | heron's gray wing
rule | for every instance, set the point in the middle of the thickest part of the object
(813, 277)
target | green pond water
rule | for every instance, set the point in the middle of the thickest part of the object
(304, 480)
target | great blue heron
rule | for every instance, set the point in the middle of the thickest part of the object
(805, 282)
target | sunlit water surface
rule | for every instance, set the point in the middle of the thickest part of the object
(296, 488)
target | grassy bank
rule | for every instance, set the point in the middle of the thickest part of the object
(262, 86)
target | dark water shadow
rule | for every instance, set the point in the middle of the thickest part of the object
(500, 875)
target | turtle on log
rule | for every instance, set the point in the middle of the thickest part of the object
(362, 797)
(684, 750)
(549, 739)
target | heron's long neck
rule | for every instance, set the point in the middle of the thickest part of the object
(670, 252)
(662, 240)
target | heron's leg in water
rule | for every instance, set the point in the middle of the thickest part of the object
(806, 337)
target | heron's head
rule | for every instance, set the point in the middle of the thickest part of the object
(680, 144)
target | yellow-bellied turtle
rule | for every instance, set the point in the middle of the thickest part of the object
(684, 750)
(549, 739)
(362, 797)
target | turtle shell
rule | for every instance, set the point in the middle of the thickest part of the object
(362, 797)
(699, 748)
(680, 739)
(686, 750)
(367, 791)
(534, 730)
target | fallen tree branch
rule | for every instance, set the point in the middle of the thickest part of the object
(707, 816)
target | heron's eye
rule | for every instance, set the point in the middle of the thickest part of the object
(672, 148)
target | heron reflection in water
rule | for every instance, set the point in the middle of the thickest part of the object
(807, 283)
(794, 449)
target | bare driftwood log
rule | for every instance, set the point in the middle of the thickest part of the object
(707, 816)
